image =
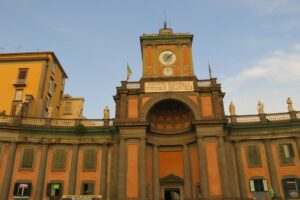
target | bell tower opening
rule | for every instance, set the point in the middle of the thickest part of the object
(170, 116)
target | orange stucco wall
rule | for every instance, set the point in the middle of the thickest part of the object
(286, 170)
(213, 169)
(88, 175)
(206, 106)
(132, 108)
(60, 176)
(170, 162)
(28, 175)
(132, 171)
(255, 171)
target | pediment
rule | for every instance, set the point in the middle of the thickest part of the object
(171, 179)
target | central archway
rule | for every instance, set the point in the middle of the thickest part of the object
(170, 116)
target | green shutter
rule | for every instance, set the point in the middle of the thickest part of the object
(90, 159)
(252, 187)
(281, 153)
(291, 150)
(253, 156)
(285, 188)
(59, 159)
(27, 160)
(265, 185)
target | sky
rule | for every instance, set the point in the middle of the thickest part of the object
(253, 46)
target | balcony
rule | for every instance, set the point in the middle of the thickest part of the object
(20, 83)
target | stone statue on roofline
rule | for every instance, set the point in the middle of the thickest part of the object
(19, 109)
(290, 104)
(106, 113)
(260, 107)
(232, 108)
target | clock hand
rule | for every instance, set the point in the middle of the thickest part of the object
(169, 56)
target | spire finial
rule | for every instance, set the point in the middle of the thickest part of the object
(209, 70)
(165, 22)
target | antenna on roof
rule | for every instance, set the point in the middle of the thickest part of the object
(165, 22)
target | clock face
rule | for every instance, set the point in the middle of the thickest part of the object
(168, 71)
(167, 57)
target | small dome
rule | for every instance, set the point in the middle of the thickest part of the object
(165, 31)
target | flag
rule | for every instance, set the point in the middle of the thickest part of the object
(129, 72)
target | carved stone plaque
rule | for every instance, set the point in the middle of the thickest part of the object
(172, 86)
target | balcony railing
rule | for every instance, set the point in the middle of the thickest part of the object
(204, 83)
(52, 122)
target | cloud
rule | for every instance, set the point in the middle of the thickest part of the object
(281, 66)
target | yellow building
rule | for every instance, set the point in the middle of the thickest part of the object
(71, 107)
(33, 82)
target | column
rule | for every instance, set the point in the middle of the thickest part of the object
(232, 173)
(187, 173)
(142, 170)
(103, 175)
(203, 168)
(73, 170)
(271, 167)
(113, 181)
(41, 173)
(155, 172)
(122, 170)
(223, 168)
(298, 146)
(240, 169)
(8, 172)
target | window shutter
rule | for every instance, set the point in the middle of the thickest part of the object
(90, 159)
(281, 153)
(252, 187)
(285, 188)
(59, 159)
(298, 184)
(28, 155)
(291, 150)
(16, 189)
(265, 183)
(49, 187)
(28, 191)
(257, 160)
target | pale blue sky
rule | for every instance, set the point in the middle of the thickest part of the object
(253, 45)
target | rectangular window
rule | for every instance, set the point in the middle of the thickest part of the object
(89, 159)
(22, 189)
(51, 85)
(258, 185)
(253, 155)
(291, 187)
(87, 188)
(27, 158)
(286, 153)
(59, 159)
(54, 189)
(22, 74)
(68, 108)
(18, 95)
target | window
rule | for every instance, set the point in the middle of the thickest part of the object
(286, 153)
(48, 100)
(291, 187)
(18, 95)
(54, 189)
(89, 159)
(258, 185)
(68, 108)
(87, 188)
(27, 158)
(22, 189)
(51, 85)
(253, 155)
(59, 159)
(22, 74)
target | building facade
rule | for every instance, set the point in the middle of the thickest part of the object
(32, 85)
(170, 139)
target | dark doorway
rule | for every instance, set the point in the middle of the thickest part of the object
(172, 194)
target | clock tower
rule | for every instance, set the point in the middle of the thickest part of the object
(167, 54)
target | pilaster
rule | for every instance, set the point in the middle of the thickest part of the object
(73, 169)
